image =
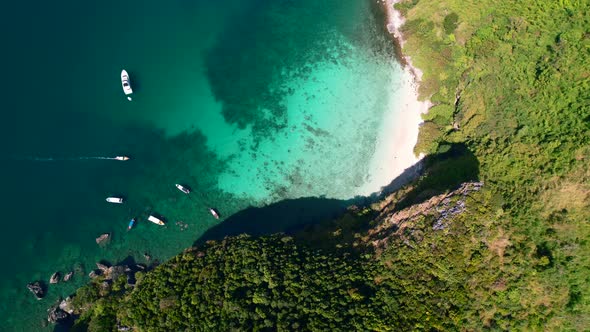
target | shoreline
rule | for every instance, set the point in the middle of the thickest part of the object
(393, 24)
(398, 135)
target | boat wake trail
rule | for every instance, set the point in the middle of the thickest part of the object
(48, 159)
(89, 158)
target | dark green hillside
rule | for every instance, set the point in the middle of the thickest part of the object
(243, 283)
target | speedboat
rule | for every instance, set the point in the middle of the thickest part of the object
(131, 224)
(122, 158)
(183, 188)
(156, 220)
(126, 85)
(214, 213)
(117, 200)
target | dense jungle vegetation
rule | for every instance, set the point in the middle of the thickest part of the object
(510, 79)
(510, 84)
(242, 283)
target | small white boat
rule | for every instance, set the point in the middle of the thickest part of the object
(156, 220)
(117, 200)
(214, 213)
(183, 188)
(122, 158)
(125, 83)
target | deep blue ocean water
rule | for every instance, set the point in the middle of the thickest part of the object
(249, 102)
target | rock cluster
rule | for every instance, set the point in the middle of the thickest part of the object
(112, 273)
(38, 288)
(62, 310)
(56, 315)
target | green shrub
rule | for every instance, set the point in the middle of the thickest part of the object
(450, 23)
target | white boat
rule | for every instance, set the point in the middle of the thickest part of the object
(183, 188)
(156, 220)
(117, 200)
(122, 158)
(214, 213)
(126, 84)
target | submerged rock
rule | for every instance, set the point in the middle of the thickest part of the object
(37, 289)
(55, 278)
(103, 238)
(79, 269)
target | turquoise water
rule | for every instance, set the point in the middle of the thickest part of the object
(248, 102)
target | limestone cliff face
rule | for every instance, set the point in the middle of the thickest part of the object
(438, 210)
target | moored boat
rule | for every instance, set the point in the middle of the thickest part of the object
(156, 221)
(214, 213)
(125, 83)
(122, 158)
(117, 200)
(182, 188)
(131, 224)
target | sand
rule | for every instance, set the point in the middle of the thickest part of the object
(399, 131)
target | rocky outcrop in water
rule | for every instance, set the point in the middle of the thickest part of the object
(67, 306)
(55, 278)
(68, 276)
(103, 267)
(114, 272)
(37, 289)
(102, 239)
(56, 315)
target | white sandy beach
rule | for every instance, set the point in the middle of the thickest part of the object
(399, 131)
